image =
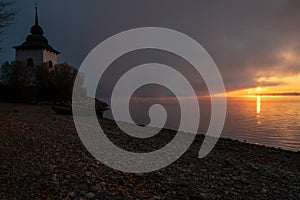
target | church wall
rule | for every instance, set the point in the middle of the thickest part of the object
(35, 54)
(49, 56)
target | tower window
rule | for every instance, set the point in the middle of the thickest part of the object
(50, 64)
(29, 62)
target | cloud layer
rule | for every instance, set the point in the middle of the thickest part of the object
(247, 39)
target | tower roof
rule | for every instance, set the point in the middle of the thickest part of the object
(36, 40)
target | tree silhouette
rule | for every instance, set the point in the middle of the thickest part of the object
(47, 85)
(16, 75)
(56, 84)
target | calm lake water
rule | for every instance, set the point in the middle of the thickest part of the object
(270, 121)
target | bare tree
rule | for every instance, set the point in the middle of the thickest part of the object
(7, 15)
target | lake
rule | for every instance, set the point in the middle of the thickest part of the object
(271, 121)
(265, 120)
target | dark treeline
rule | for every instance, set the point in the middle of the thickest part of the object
(280, 94)
(20, 83)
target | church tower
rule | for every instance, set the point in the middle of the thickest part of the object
(35, 50)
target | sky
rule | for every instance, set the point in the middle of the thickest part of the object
(254, 43)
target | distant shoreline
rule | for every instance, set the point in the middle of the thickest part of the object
(279, 94)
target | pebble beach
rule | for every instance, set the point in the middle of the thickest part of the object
(42, 157)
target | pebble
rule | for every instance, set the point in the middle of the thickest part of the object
(203, 196)
(263, 191)
(43, 160)
(54, 177)
(71, 194)
(236, 178)
(90, 195)
(88, 174)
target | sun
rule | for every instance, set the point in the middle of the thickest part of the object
(258, 89)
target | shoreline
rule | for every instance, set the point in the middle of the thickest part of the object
(220, 138)
(42, 157)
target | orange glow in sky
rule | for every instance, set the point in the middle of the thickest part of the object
(279, 80)
(285, 85)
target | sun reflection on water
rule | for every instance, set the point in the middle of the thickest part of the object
(258, 109)
(268, 120)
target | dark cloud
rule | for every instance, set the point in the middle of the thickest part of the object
(245, 38)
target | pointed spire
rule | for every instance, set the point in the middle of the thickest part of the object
(36, 15)
(36, 29)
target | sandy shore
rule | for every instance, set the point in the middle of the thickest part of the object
(41, 157)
